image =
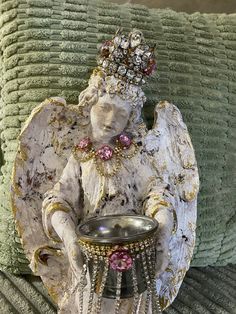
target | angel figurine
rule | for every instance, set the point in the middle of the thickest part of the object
(97, 158)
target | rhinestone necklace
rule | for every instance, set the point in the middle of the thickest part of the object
(106, 155)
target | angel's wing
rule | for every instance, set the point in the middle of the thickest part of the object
(171, 150)
(45, 144)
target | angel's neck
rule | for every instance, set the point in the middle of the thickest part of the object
(98, 142)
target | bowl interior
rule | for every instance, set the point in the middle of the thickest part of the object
(116, 229)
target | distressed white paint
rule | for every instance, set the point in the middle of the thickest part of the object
(162, 175)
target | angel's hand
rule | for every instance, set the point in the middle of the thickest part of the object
(162, 255)
(165, 227)
(65, 228)
(75, 257)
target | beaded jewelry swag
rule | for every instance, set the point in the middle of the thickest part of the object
(124, 148)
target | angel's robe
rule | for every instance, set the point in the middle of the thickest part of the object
(161, 181)
(135, 189)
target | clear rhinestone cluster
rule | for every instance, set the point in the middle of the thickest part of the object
(128, 58)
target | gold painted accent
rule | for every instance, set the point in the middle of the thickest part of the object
(76, 109)
(178, 277)
(130, 155)
(34, 112)
(156, 198)
(189, 196)
(23, 152)
(55, 102)
(49, 210)
(15, 186)
(53, 292)
(154, 211)
(19, 228)
(164, 302)
(37, 109)
(188, 165)
(97, 71)
(56, 207)
(20, 231)
(164, 203)
(162, 104)
(13, 205)
(175, 225)
(56, 145)
(158, 206)
(169, 270)
(192, 226)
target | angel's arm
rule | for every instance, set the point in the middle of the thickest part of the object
(61, 204)
(159, 204)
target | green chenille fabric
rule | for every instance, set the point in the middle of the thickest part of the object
(204, 290)
(48, 48)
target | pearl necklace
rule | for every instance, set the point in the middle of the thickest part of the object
(106, 155)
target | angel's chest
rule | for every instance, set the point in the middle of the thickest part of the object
(128, 182)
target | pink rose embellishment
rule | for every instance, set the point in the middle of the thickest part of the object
(120, 260)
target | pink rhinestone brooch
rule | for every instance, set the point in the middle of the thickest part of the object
(105, 152)
(124, 140)
(85, 144)
(120, 260)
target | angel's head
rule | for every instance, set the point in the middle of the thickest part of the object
(111, 108)
(114, 92)
(109, 117)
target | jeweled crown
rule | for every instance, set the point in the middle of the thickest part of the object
(127, 58)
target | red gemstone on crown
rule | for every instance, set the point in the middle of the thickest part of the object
(124, 140)
(85, 144)
(105, 152)
(105, 48)
(151, 67)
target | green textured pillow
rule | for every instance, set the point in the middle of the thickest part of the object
(204, 290)
(48, 48)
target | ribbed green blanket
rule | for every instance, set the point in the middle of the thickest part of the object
(204, 291)
(48, 48)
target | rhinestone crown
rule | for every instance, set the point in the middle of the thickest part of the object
(127, 58)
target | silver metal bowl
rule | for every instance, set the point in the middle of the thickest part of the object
(119, 231)
(115, 229)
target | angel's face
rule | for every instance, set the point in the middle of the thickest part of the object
(109, 117)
